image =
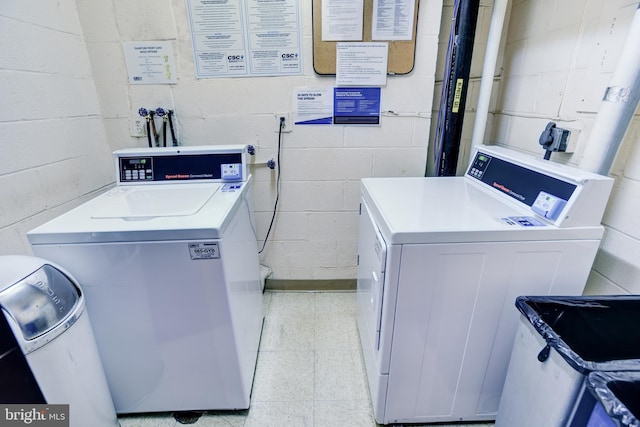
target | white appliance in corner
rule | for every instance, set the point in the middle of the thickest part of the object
(168, 261)
(441, 262)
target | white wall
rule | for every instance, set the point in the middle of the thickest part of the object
(315, 233)
(558, 59)
(53, 150)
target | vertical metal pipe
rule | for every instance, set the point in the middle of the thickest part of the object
(488, 71)
(464, 29)
(618, 106)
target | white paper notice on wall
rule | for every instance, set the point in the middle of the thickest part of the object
(362, 64)
(342, 20)
(150, 62)
(245, 38)
(313, 105)
(392, 20)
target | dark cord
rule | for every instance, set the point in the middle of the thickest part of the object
(275, 205)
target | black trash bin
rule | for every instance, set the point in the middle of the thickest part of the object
(609, 399)
(560, 340)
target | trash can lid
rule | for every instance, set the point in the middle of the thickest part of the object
(36, 295)
(14, 268)
(592, 333)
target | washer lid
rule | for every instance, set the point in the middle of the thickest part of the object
(141, 202)
(147, 213)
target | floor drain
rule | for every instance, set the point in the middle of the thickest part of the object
(187, 417)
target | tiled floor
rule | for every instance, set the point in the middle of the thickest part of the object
(310, 370)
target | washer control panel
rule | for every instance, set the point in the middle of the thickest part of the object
(152, 166)
(136, 169)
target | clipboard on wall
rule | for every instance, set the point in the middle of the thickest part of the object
(402, 53)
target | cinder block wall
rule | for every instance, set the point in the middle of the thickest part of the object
(53, 149)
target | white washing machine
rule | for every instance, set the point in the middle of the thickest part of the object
(168, 262)
(441, 262)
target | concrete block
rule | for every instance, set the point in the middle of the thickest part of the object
(551, 93)
(63, 53)
(98, 19)
(332, 226)
(344, 163)
(551, 51)
(393, 132)
(399, 162)
(21, 196)
(158, 18)
(288, 226)
(61, 15)
(311, 196)
(632, 160)
(519, 93)
(107, 62)
(617, 260)
(625, 198)
(351, 200)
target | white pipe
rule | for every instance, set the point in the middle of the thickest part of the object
(488, 71)
(618, 106)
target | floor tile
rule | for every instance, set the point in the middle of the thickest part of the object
(280, 414)
(221, 419)
(283, 376)
(287, 333)
(148, 420)
(340, 376)
(338, 332)
(336, 303)
(352, 413)
(291, 304)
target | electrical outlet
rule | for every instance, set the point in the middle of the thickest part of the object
(288, 122)
(572, 141)
(137, 127)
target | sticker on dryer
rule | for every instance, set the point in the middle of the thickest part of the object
(204, 250)
(523, 221)
(226, 188)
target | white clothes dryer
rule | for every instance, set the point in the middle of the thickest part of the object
(168, 261)
(441, 262)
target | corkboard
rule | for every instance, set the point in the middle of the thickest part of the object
(401, 53)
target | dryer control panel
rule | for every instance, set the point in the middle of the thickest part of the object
(181, 164)
(558, 193)
(533, 188)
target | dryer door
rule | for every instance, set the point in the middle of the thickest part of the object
(372, 254)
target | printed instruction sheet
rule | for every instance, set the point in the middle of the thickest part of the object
(246, 38)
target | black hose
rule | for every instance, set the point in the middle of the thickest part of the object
(275, 205)
(164, 131)
(149, 132)
(455, 86)
(173, 134)
(153, 127)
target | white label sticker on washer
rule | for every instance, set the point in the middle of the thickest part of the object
(523, 221)
(204, 250)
